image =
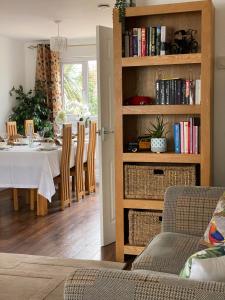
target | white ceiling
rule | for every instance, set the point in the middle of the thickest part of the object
(33, 19)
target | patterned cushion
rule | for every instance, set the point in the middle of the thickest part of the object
(206, 265)
(215, 232)
(167, 253)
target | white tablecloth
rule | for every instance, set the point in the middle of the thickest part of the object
(24, 167)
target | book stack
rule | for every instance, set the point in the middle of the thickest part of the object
(186, 136)
(177, 91)
(146, 41)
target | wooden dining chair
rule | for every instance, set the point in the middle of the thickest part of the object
(77, 171)
(63, 180)
(27, 125)
(11, 129)
(89, 165)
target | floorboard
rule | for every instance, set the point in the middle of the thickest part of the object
(72, 233)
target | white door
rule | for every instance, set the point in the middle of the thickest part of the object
(106, 137)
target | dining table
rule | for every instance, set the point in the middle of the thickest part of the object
(33, 167)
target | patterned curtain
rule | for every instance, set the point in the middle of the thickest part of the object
(48, 75)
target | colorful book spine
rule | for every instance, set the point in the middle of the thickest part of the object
(182, 137)
(139, 42)
(167, 92)
(127, 44)
(177, 139)
(191, 135)
(153, 40)
(192, 92)
(135, 42)
(157, 92)
(198, 91)
(195, 139)
(162, 92)
(187, 91)
(163, 41)
(147, 41)
(131, 43)
(183, 92)
(143, 41)
(186, 140)
(158, 40)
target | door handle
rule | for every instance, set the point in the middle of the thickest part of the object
(103, 131)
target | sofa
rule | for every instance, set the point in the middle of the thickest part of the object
(155, 272)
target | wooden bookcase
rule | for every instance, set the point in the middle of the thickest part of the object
(137, 75)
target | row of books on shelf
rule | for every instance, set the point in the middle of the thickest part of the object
(186, 136)
(178, 91)
(146, 41)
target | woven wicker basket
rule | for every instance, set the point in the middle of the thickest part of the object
(143, 226)
(151, 181)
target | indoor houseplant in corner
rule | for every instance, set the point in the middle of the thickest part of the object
(121, 6)
(31, 105)
(158, 135)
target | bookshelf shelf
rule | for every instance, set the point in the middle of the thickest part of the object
(137, 76)
(143, 204)
(162, 109)
(147, 61)
(162, 158)
(133, 250)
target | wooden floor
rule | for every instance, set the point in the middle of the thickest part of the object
(72, 233)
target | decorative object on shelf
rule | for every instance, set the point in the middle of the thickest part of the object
(139, 100)
(144, 142)
(58, 43)
(158, 145)
(184, 42)
(121, 5)
(132, 147)
(158, 136)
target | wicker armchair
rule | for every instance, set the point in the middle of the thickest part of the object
(155, 272)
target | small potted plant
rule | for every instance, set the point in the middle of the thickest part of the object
(122, 5)
(158, 136)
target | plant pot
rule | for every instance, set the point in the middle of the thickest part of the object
(158, 145)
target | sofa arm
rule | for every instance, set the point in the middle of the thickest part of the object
(188, 210)
(91, 284)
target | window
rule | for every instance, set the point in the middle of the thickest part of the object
(79, 86)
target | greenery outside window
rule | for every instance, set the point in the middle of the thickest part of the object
(79, 87)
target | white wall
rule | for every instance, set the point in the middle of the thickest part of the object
(83, 49)
(11, 74)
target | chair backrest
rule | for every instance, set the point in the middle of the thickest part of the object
(79, 155)
(11, 129)
(65, 160)
(92, 141)
(27, 125)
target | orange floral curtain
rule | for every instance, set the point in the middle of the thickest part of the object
(48, 74)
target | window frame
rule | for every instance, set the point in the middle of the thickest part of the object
(84, 63)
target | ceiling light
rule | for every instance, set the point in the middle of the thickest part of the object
(58, 43)
(103, 6)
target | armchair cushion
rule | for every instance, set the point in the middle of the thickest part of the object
(188, 210)
(167, 253)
